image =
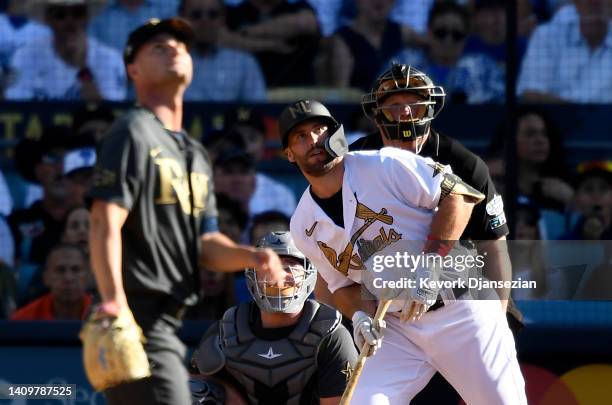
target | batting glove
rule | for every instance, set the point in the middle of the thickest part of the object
(425, 294)
(365, 330)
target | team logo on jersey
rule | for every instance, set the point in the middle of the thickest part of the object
(311, 230)
(270, 355)
(347, 259)
(367, 248)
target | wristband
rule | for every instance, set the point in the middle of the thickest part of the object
(435, 245)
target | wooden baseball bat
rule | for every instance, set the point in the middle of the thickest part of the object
(381, 311)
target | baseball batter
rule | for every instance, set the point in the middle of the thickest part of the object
(393, 195)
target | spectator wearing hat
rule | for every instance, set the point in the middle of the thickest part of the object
(70, 66)
(37, 228)
(65, 275)
(220, 74)
(78, 170)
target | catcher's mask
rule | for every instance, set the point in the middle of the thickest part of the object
(299, 284)
(414, 119)
(305, 110)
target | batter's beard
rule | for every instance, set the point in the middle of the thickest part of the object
(319, 169)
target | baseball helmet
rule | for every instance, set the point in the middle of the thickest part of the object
(304, 110)
(401, 78)
(290, 298)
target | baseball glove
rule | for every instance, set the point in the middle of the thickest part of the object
(112, 350)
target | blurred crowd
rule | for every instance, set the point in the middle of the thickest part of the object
(44, 217)
(246, 51)
(253, 50)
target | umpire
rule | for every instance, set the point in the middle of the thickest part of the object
(154, 218)
(402, 103)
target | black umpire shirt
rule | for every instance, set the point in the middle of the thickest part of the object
(162, 178)
(488, 221)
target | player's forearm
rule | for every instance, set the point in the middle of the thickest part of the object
(105, 252)
(497, 263)
(220, 253)
(452, 217)
(348, 300)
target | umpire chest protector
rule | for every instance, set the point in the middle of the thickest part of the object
(291, 360)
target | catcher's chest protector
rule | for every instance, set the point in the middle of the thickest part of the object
(291, 360)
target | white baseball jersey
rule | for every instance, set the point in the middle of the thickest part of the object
(387, 195)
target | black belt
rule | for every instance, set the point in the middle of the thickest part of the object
(457, 292)
(439, 304)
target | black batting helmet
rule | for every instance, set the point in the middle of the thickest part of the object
(401, 78)
(305, 110)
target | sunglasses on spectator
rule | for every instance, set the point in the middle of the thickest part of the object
(456, 35)
(211, 14)
(63, 12)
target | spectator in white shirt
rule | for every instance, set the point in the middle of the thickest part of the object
(569, 59)
(72, 66)
(15, 30)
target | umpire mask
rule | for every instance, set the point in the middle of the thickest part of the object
(299, 283)
(403, 122)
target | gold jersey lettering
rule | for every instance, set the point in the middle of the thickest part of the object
(174, 187)
(199, 184)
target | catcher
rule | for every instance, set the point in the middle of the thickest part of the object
(153, 223)
(281, 349)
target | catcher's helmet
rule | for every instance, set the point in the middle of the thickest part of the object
(400, 79)
(304, 110)
(291, 297)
